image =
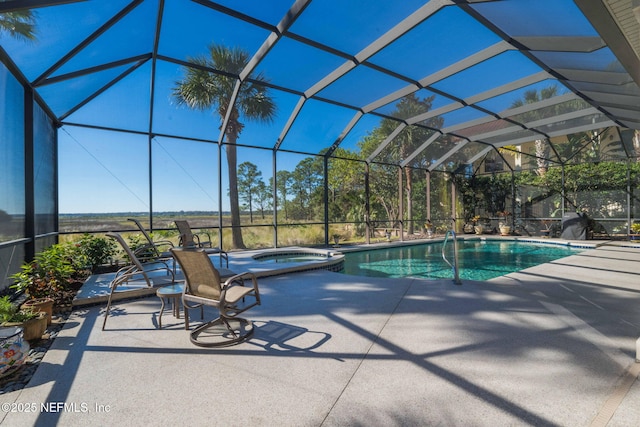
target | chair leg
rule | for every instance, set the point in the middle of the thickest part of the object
(106, 312)
(226, 323)
(245, 332)
(186, 316)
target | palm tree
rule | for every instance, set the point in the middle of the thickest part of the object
(19, 24)
(409, 139)
(203, 89)
(541, 145)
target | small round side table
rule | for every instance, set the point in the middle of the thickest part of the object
(172, 293)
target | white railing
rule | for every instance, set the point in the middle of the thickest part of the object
(454, 265)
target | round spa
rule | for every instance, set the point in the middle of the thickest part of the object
(289, 260)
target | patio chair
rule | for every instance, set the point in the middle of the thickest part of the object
(152, 250)
(136, 278)
(189, 239)
(203, 286)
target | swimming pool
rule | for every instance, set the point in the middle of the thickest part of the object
(478, 259)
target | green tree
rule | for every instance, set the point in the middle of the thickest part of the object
(306, 187)
(383, 182)
(543, 146)
(571, 150)
(603, 147)
(284, 180)
(591, 146)
(345, 184)
(408, 140)
(263, 197)
(202, 88)
(19, 24)
(249, 180)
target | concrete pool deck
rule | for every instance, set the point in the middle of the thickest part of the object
(551, 345)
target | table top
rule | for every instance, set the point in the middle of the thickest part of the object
(171, 290)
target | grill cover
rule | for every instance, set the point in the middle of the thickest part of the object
(574, 226)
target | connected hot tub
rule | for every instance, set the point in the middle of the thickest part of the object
(291, 260)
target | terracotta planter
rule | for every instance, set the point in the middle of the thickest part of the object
(478, 229)
(44, 305)
(32, 329)
(35, 328)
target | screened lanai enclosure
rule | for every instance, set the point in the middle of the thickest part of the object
(282, 122)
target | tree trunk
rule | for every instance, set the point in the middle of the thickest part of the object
(407, 174)
(284, 206)
(236, 231)
(540, 157)
(427, 177)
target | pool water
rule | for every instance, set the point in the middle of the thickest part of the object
(478, 259)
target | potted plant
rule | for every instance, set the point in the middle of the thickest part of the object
(635, 231)
(429, 227)
(546, 231)
(45, 280)
(477, 227)
(505, 229)
(336, 240)
(33, 323)
(468, 226)
(41, 305)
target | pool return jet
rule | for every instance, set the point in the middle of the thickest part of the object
(454, 266)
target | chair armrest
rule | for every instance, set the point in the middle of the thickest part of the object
(134, 276)
(239, 279)
(200, 240)
(163, 246)
(146, 253)
(163, 243)
(232, 308)
(130, 271)
(125, 270)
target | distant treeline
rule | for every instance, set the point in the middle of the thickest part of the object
(142, 214)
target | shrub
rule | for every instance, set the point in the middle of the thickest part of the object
(93, 251)
(48, 275)
(10, 313)
(140, 247)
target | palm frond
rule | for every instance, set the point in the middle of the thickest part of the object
(19, 24)
(211, 82)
